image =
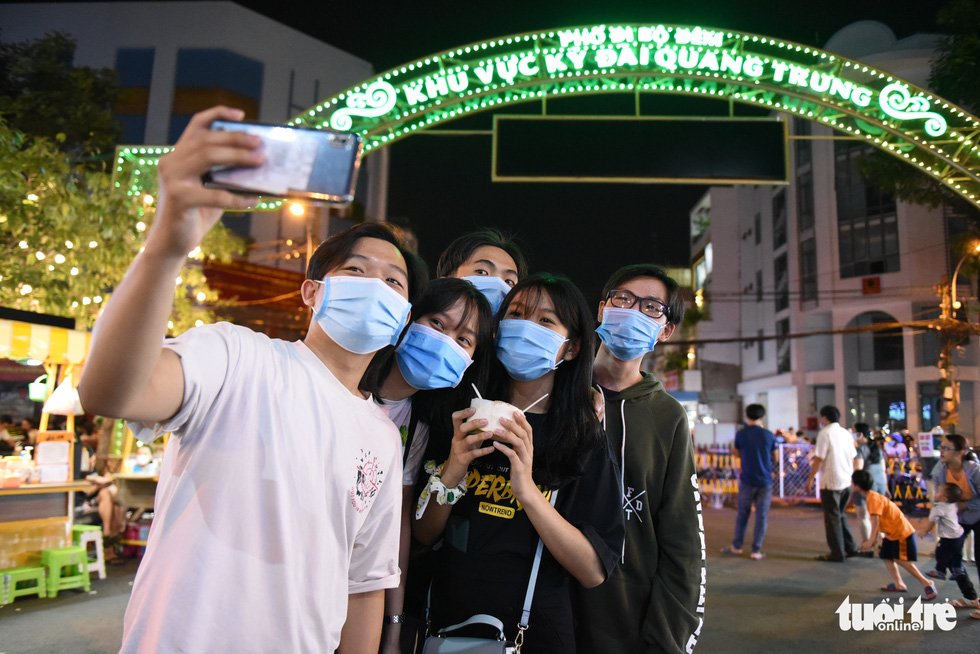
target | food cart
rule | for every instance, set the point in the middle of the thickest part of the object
(35, 517)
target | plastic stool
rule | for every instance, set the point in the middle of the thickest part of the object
(75, 559)
(12, 576)
(85, 534)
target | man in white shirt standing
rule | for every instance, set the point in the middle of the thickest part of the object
(276, 514)
(834, 459)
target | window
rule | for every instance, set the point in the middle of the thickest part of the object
(804, 200)
(782, 346)
(803, 146)
(206, 77)
(779, 219)
(808, 270)
(781, 282)
(134, 71)
(866, 222)
(881, 349)
(761, 347)
(758, 286)
(758, 228)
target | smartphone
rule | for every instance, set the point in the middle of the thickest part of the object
(304, 164)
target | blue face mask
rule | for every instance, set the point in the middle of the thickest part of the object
(493, 288)
(527, 349)
(361, 314)
(429, 359)
(628, 334)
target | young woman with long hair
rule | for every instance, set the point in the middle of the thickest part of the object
(490, 499)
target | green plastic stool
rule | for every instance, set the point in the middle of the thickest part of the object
(67, 568)
(13, 576)
(85, 534)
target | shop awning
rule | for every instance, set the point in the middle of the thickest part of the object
(22, 340)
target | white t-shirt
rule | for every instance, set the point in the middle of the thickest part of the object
(274, 503)
(400, 413)
(946, 517)
(835, 446)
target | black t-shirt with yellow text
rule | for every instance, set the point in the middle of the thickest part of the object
(485, 562)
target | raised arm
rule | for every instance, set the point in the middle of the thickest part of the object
(466, 446)
(128, 373)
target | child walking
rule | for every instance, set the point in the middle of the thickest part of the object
(898, 535)
(949, 551)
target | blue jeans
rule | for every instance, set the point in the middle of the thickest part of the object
(760, 496)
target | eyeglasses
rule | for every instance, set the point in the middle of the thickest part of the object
(623, 299)
(947, 448)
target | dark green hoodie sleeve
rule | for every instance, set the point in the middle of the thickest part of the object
(676, 608)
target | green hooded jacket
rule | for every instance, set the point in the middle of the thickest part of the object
(654, 600)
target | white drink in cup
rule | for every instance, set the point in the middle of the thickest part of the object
(492, 411)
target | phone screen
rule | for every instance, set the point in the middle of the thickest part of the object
(299, 163)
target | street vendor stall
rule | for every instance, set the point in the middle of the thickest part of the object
(38, 516)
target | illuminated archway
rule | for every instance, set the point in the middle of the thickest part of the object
(893, 115)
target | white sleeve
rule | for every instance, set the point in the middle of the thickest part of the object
(415, 454)
(374, 560)
(823, 443)
(205, 355)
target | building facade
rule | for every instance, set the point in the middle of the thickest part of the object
(817, 278)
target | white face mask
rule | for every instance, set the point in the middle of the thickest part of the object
(142, 460)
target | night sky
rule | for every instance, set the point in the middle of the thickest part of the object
(441, 184)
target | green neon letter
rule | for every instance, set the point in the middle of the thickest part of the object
(861, 96)
(753, 67)
(728, 62)
(778, 68)
(667, 58)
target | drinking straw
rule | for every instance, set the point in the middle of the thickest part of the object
(534, 402)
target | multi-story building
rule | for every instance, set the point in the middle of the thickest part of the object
(827, 255)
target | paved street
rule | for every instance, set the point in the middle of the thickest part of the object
(787, 602)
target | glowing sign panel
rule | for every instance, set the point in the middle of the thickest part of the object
(908, 122)
(621, 50)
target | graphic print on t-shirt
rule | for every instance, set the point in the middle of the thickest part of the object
(369, 479)
(499, 498)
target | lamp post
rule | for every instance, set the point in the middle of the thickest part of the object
(298, 210)
(951, 335)
(954, 304)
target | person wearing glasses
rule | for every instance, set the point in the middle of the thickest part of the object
(654, 601)
(958, 465)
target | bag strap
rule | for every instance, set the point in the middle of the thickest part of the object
(526, 613)
(479, 618)
(489, 619)
(413, 423)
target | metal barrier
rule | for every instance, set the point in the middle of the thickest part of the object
(718, 473)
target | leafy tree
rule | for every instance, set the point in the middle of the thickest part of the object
(955, 75)
(43, 94)
(956, 69)
(69, 236)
